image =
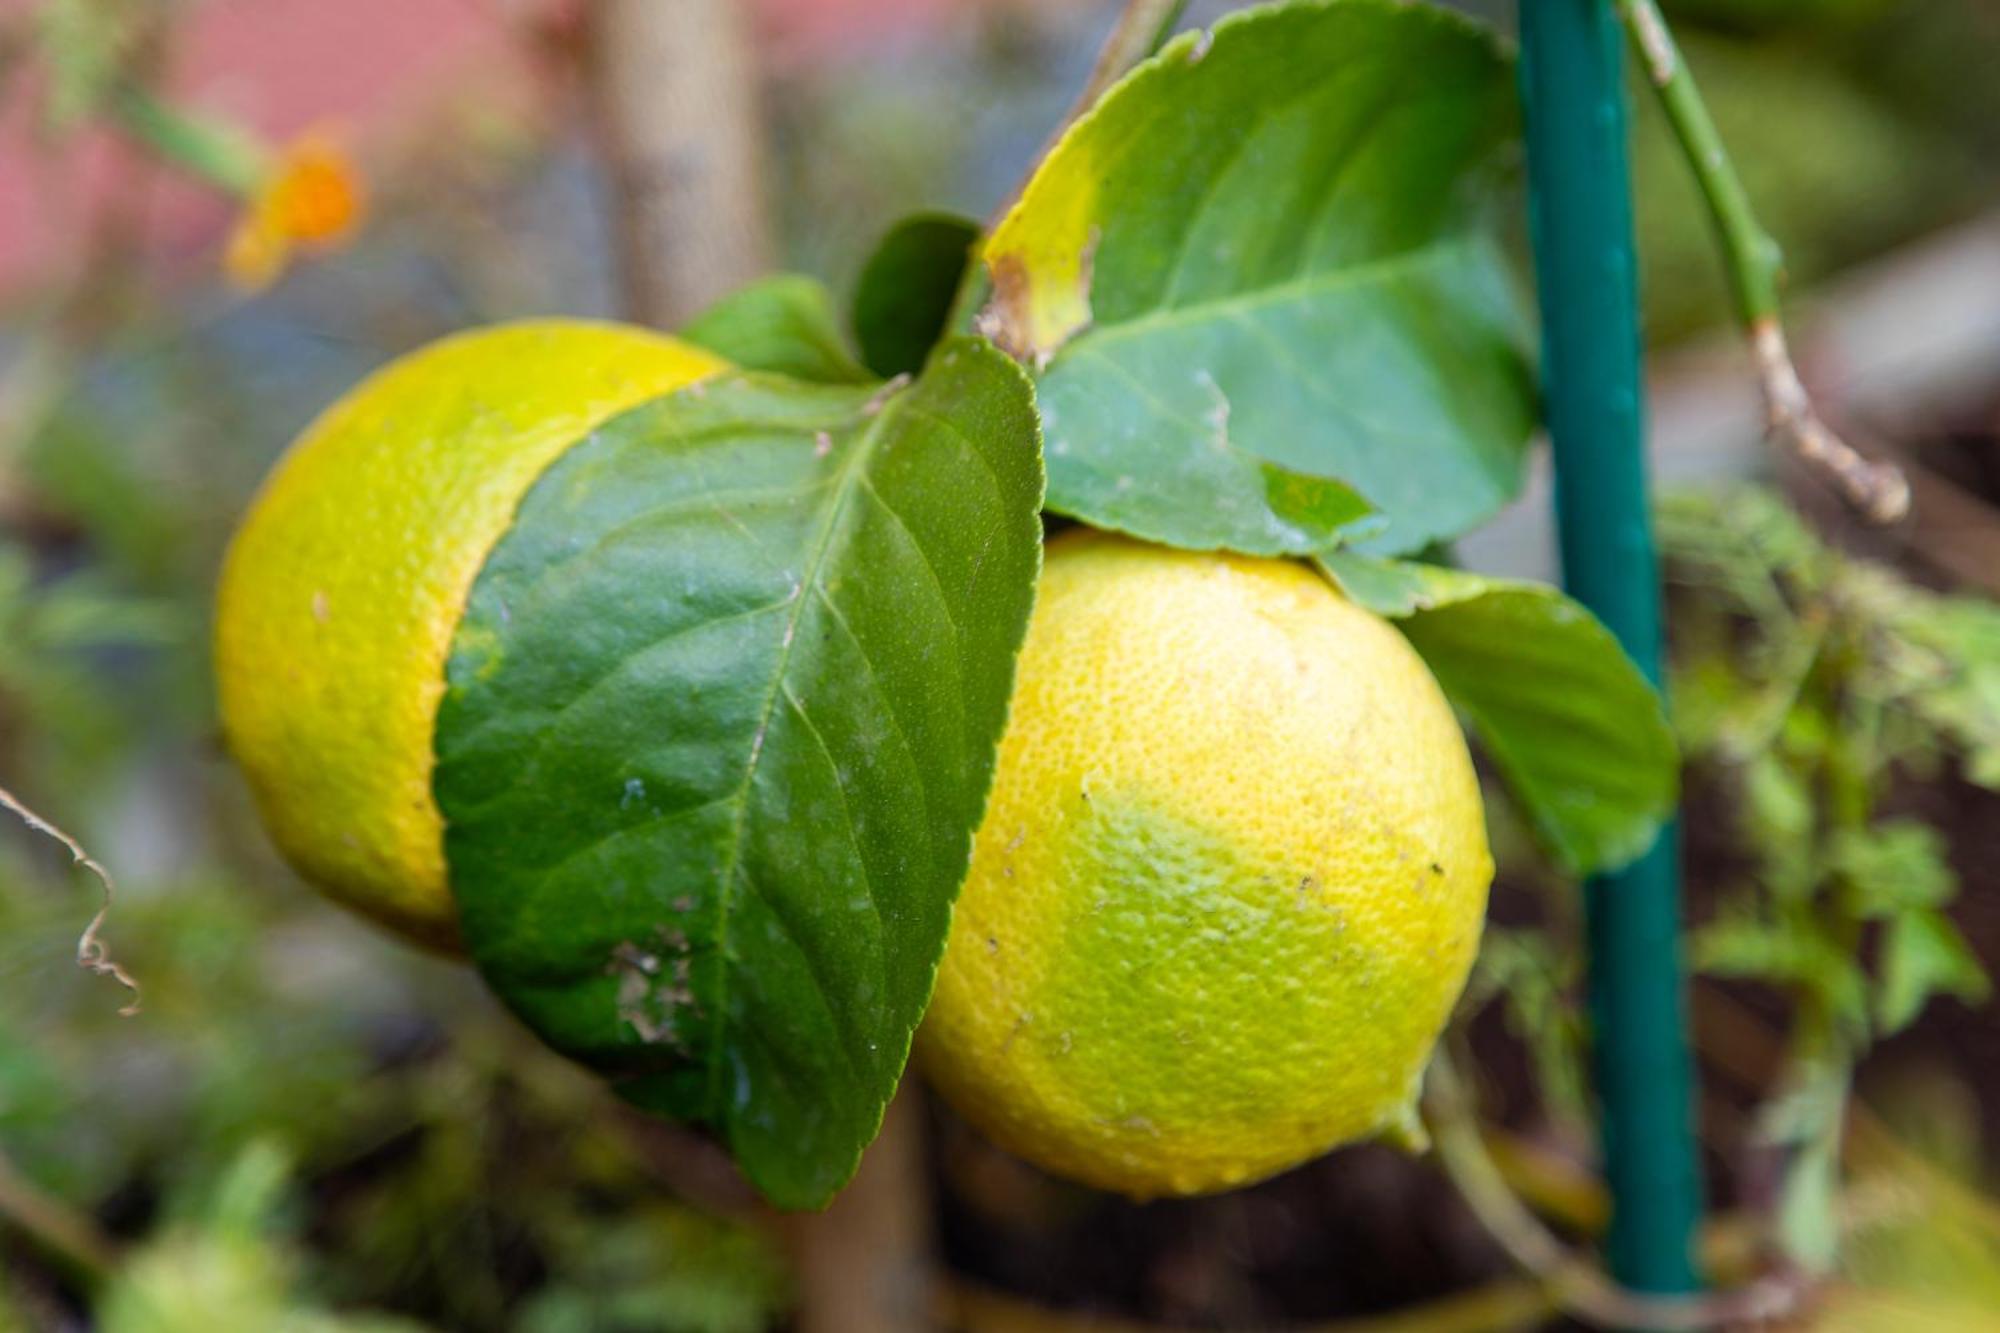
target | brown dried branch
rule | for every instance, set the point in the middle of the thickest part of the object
(91, 953)
(1879, 492)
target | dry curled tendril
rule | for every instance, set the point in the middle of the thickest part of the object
(91, 953)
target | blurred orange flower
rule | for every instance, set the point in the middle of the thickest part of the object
(309, 199)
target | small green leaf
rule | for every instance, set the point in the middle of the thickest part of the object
(1923, 954)
(1789, 952)
(1577, 734)
(906, 291)
(1809, 1204)
(1266, 247)
(1807, 1117)
(721, 717)
(1742, 947)
(783, 324)
(1894, 866)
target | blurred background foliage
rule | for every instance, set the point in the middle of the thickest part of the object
(308, 1118)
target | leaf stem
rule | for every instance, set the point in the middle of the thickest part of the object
(1878, 491)
(1578, 1286)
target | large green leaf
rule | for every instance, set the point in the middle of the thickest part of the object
(1576, 733)
(721, 718)
(1264, 248)
(904, 298)
(783, 324)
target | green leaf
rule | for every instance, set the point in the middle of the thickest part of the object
(1779, 819)
(1265, 247)
(1894, 866)
(783, 324)
(721, 717)
(1923, 954)
(906, 291)
(659, 1268)
(229, 1267)
(1573, 728)
(1809, 1204)
(1956, 665)
(1787, 952)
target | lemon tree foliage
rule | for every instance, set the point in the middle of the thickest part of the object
(722, 709)
(904, 299)
(1256, 278)
(784, 324)
(720, 720)
(1575, 731)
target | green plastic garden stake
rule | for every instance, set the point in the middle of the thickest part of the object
(1581, 209)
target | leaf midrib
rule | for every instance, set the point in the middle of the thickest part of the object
(851, 471)
(1436, 250)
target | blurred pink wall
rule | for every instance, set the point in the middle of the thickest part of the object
(283, 65)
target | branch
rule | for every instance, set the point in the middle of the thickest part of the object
(60, 1230)
(1878, 491)
(1572, 1281)
(866, 1264)
(677, 102)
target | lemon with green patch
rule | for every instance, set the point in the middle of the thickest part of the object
(346, 581)
(1229, 884)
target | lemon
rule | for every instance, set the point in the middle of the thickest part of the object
(342, 588)
(1229, 884)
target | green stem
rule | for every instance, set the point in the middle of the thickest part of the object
(1756, 268)
(1755, 261)
(218, 152)
(1572, 1282)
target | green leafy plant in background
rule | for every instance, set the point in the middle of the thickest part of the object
(431, 1179)
(662, 1269)
(225, 1264)
(1810, 684)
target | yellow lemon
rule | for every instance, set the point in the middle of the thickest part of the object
(1229, 884)
(342, 588)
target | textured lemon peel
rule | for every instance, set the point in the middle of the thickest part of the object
(1229, 885)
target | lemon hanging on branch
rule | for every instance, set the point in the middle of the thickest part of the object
(1229, 884)
(686, 697)
(343, 587)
